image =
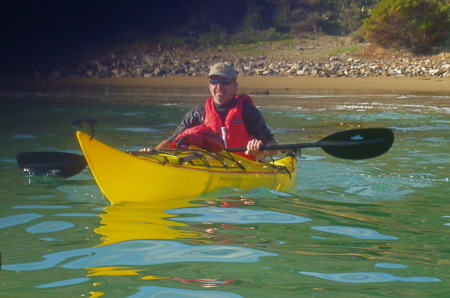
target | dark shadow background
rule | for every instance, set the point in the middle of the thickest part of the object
(38, 30)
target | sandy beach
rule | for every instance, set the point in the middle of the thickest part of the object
(376, 84)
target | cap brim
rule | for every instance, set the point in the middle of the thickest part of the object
(223, 75)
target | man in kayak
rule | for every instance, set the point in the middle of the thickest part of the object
(235, 117)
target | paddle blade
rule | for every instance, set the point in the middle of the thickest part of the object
(358, 143)
(51, 164)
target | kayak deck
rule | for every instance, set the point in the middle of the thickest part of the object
(163, 175)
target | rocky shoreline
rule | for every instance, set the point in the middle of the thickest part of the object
(166, 63)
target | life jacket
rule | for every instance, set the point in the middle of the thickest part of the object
(201, 136)
(233, 131)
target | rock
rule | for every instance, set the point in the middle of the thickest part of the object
(176, 62)
(438, 72)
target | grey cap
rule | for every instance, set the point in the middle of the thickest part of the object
(226, 71)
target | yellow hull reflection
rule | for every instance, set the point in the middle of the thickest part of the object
(112, 271)
(137, 221)
(142, 221)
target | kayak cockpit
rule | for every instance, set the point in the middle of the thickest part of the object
(197, 157)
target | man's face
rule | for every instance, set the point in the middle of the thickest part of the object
(222, 90)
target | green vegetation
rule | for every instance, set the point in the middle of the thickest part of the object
(343, 50)
(250, 21)
(418, 25)
(414, 25)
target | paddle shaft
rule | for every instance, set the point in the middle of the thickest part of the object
(308, 145)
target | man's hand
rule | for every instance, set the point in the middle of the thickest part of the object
(253, 148)
(164, 145)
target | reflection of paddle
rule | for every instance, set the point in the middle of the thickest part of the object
(350, 144)
(51, 164)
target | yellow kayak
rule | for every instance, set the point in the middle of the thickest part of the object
(164, 175)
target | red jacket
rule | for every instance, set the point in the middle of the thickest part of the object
(233, 130)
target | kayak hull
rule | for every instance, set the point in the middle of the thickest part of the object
(124, 177)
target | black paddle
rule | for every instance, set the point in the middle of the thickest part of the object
(51, 164)
(351, 144)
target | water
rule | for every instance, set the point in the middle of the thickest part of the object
(370, 228)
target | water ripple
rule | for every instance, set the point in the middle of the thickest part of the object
(137, 129)
(143, 252)
(18, 219)
(72, 281)
(24, 136)
(367, 277)
(390, 265)
(171, 292)
(50, 226)
(353, 232)
(40, 207)
(77, 214)
(235, 215)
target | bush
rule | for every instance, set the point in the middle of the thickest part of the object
(310, 26)
(252, 36)
(348, 14)
(417, 25)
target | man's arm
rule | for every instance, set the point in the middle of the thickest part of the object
(256, 125)
(164, 145)
(192, 118)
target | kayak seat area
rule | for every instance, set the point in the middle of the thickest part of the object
(199, 158)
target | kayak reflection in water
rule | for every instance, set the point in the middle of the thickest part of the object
(226, 120)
